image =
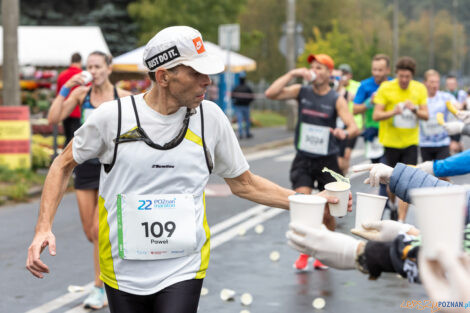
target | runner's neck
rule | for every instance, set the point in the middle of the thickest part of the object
(322, 89)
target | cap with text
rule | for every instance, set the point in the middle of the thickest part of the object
(177, 45)
(324, 59)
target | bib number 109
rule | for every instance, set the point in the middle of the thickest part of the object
(157, 229)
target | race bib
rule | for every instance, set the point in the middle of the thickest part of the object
(405, 120)
(431, 127)
(152, 227)
(314, 139)
(374, 149)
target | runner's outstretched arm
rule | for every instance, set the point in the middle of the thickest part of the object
(53, 191)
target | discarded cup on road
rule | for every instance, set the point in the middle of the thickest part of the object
(339, 190)
(307, 210)
(440, 213)
(369, 208)
(227, 294)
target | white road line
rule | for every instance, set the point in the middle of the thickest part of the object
(217, 228)
(61, 301)
(78, 309)
(285, 158)
(265, 154)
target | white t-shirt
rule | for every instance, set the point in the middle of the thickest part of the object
(95, 138)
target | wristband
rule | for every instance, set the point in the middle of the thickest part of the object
(64, 91)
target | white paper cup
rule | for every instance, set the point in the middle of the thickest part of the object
(440, 213)
(369, 208)
(307, 210)
(87, 77)
(339, 190)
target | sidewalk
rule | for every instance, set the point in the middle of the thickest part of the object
(266, 138)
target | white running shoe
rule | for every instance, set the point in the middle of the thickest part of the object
(96, 299)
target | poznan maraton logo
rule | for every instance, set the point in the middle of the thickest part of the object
(164, 203)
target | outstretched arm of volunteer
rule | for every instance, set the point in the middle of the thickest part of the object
(54, 189)
(279, 89)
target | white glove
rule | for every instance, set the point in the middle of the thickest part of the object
(333, 249)
(379, 173)
(381, 230)
(464, 116)
(454, 128)
(447, 278)
(427, 167)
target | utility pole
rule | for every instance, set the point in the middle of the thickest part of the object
(11, 83)
(454, 37)
(290, 53)
(396, 44)
(431, 36)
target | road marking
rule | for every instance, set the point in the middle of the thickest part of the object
(265, 154)
(357, 153)
(253, 217)
(62, 300)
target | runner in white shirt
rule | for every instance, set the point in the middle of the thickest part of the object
(157, 150)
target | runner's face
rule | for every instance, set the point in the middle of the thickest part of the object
(322, 72)
(451, 84)
(404, 77)
(380, 70)
(432, 84)
(96, 65)
(187, 86)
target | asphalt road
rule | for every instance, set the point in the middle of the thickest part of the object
(240, 263)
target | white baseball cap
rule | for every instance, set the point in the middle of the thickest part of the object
(177, 45)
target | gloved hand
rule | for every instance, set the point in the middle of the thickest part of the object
(446, 278)
(333, 249)
(427, 167)
(464, 116)
(381, 230)
(379, 173)
(454, 128)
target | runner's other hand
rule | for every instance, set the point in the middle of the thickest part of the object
(427, 167)
(75, 80)
(333, 249)
(464, 116)
(446, 277)
(40, 242)
(339, 133)
(381, 230)
(378, 173)
(335, 200)
(454, 128)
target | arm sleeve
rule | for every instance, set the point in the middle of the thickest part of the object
(458, 164)
(360, 95)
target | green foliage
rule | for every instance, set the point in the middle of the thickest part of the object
(205, 16)
(267, 118)
(16, 183)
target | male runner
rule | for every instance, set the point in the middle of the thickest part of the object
(452, 87)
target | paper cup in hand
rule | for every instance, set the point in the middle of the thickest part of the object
(87, 77)
(339, 190)
(307, 210)
(369, 208)
(440, 218)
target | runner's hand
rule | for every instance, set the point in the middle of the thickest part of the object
(302, 72)
(333, 249)
(75, 80)
(339, 133)
(382, 230)
(427, 167)
(398, 110)
(464, 116)
(331, 199)
(454, 128)
(379, 173)
(446, 277)
(34, 263)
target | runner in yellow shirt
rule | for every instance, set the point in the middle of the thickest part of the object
(399, 104)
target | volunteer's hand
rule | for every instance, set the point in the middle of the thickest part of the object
(382, 230)
(339, 133)
(334, 200)
(379, 173)
(40, 242)
(464, 116)
(333, 249)
(447, 278)
(454, 128)
(427, 167)
(302, 72)
(75, 80)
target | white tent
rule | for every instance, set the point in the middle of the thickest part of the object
(132, 61)
(52, 46)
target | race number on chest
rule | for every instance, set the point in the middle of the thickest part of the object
(314, 139)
